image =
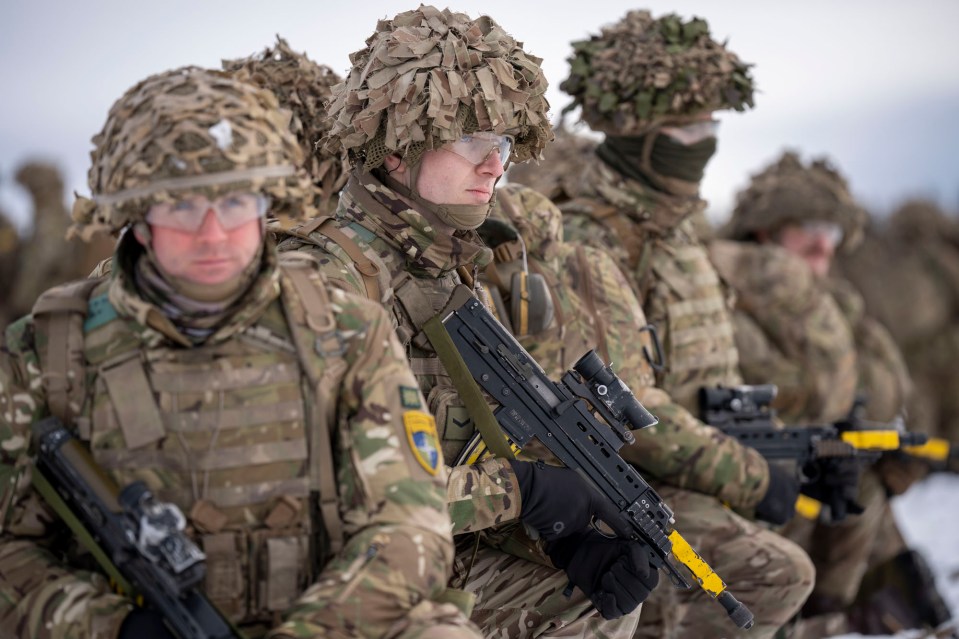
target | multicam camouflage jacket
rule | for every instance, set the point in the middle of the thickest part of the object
(654, 241)
(789, 331)
(380, 247)
(232, 431)
(883, 376)
(595, 308)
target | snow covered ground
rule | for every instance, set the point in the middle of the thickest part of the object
(928, 516)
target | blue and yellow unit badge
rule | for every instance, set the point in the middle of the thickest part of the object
(420, 430)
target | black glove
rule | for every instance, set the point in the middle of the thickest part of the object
(558, 502)
(143, 623)
(779, 503)
(835, 482)
(616, 574)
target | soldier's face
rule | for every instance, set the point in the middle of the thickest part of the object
(814, 243)
(445, 177)
(209, 255)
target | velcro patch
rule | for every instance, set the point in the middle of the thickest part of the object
(424, 442)
(410, 397)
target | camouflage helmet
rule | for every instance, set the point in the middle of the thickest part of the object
(558, 174)
(427, 77)
(189, 130)
(921, 220)
(302, 86)
(787, 191)
(641, 72)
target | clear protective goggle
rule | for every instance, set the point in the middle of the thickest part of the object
(477, 147)
(830, 230)
(688, 134)
(232, 210)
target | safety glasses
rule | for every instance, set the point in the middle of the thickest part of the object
(232, 211)
(829, 230)
(477, 147)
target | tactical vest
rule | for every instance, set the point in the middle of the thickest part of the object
(237, 434)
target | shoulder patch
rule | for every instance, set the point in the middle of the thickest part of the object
(100, 312)
(410, 397)
(424, 442)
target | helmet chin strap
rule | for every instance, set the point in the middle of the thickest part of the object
(461, 217)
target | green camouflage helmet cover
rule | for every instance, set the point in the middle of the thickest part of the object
(302, 86)
(642, 71)
(427, 77)
(189, 130)
(787, 191)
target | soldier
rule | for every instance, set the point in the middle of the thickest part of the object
(276, 410)
(634, 197)
(432, 109)
(805, 331)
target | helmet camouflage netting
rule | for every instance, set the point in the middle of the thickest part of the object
(303, 87)
(427, 77)
(787, 192)
(640, 70)
(189, 130)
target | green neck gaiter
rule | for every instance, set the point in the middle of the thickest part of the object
(670, 166)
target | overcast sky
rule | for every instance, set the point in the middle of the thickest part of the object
(873, 84)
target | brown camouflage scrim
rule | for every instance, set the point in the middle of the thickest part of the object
(790, 192)
(641, 70)
(428, 76)
(597, 309)
(789, 331)
(211, 135)
(9, 253)
(302, 86)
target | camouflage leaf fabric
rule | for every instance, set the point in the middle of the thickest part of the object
(641, 70)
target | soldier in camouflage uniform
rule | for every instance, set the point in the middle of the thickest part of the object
(806, 332)
(633, 197)
(432, 109)
(276, 410)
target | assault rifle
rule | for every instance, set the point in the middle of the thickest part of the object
(533, 406)
(137, 540)
(744, 412)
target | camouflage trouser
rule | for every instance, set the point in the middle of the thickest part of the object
(769, 574)
(517, 598)
(842, 552)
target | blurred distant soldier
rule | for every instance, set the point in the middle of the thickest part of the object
(908, 273)
(434, 106)
(806, 332)
(651, 85)
(48, 257)
(9, 252)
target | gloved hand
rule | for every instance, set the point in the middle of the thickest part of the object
(143, 623)
(835, 482)
(558, 502)
(778, 505)
(616, 574)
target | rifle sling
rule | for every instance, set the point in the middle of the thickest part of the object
(466, 386)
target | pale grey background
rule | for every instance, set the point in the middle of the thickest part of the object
(875, 84)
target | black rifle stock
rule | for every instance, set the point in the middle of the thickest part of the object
(534, 406)
(137, 540)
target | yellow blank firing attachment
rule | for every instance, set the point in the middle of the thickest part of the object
(808, 507)
(936, 449)
(710, 581)
(872, 439)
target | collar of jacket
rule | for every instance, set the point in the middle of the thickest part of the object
(369, 203)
